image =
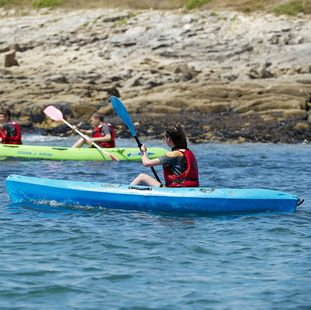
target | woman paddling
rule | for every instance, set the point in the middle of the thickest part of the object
(180, 167)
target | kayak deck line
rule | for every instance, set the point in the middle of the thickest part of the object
(22, 189)
(68, 153)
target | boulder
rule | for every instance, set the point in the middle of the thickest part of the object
(10, 59)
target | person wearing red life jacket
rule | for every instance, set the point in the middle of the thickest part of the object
(180, 166)
(102, 133)
(10, 132)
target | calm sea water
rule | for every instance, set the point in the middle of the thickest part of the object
(112, 259)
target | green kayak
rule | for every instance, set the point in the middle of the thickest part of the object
(68, 153)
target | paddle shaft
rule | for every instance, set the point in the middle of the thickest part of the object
(121, 111)
(152, 169)
(87, 139)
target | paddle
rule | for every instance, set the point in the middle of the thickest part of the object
(121, 111)
(57, 115)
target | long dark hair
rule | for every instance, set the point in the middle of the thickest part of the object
(177, 135)
(6, 113)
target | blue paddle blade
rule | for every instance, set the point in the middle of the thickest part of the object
(120, 110)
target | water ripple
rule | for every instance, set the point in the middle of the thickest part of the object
(81, 258)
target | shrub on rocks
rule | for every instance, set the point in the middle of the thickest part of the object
(291, 8)
(192, 4)
(46, 3)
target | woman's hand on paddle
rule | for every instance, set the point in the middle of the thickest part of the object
(88, 140)
(145, 160)
(143, 149)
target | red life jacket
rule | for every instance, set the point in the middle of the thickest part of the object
(189, 178)
(16, 139)
(97, 133)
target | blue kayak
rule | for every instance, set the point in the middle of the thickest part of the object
(45, 191)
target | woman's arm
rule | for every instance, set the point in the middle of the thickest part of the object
(86, 131)
(146, 161)
(106, 137)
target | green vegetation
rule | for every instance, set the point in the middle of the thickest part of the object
(288, 7)
(291, 8)
(192, 4)
(4, 3)
(253, 5)
(47, 3)
(123, 22)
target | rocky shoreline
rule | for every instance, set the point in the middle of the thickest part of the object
(226, 76)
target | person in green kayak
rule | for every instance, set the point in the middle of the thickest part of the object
(10, 132)
(102, 133)
(180, 166)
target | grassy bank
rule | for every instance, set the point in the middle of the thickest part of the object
(288, 7)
